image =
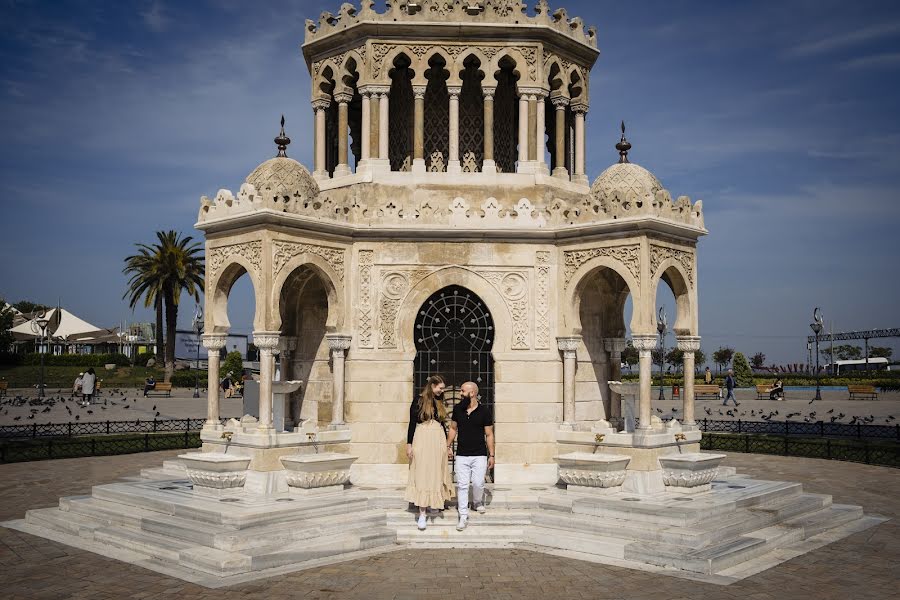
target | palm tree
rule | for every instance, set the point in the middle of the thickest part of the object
(161, 273)
(145, 269)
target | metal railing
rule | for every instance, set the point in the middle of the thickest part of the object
(851, 450)
(49, 448)
(78, 428)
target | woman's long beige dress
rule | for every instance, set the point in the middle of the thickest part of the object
(429, 478)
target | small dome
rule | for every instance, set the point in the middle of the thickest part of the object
(282, 176)
(627, 178)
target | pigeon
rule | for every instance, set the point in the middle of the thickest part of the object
(16, 418)
(77, 417)
(830, 411)
(720, 412)
(31, 416)
(157, 414)
(126, 406)
(154, 407)
(659, 410)
(90, 412)
(674, 410)
(833, 419)
(706, 408)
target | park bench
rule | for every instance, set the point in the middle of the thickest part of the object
(862, 391)
(706, 389)
(162, 387)
(763, 392)
(4, 386)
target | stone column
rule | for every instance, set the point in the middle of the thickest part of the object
(343, 166)
(339, 343)
(615, 347)
(453, 165)
(418, 165)
(532, 128)
(568, 345)
(540, 133)
(320, 106)
(365, 127)
(383, 121)
(267, 342)
(645, 344)
(523, 132)
(688, 345)
(580, 110)
(288, 345)
(488, 166)
(213, 343)
(560, 103)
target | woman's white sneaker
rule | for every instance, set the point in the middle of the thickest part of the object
(421, 522)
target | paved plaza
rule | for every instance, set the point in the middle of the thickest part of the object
(861, 566)
(111, 406)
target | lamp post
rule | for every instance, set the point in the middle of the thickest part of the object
(39, 326)
(816, 326)
(661, 328)
(198, 326)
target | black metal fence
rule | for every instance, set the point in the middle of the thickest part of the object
(794, 428)
(852, 450)
(102, 445)
(76, 428)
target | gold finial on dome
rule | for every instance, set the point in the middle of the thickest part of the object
(623, 146)
(282, 141)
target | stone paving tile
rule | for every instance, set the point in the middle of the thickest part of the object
(862, 566)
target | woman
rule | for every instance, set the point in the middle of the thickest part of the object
(429, 482)
(777, 391)
(88, 383)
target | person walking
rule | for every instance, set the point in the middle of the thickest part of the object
(429, 484)
(729, 386)
(472, 424)
(707, 377)
(88, 385)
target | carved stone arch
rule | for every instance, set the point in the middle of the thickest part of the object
(555, 71)
(330, 279)
(387, 64)
(221, 280)
(459, 66)
(329, 77)
(453, 275)
(582, 276)
(576, 85)
(521, 65)
(352, 57)
(423, 65)
(673, 273)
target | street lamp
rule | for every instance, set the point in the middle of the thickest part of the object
(39, 326)
(198, 326)
(816, 326)
(661, 328)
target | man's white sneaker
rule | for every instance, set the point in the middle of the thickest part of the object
(481, 509)
(462, 523)
(421, 522)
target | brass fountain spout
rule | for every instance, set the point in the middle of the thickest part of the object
(680, 437)
(227, 435)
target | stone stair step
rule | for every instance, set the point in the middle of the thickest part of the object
(825, 519)
(108, 513)
(305, 550)
(783, 508)
(143, 542)
(493, 517)
(213, 560)
(578, 541)
(63, 522)
(706, 560)
(447, 535)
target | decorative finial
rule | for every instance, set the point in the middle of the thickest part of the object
(282, 141)
(623, 146)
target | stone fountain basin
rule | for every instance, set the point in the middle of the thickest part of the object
(690, 470)
(216, 462)
(309, 471)
(587, 469)
(624, 389)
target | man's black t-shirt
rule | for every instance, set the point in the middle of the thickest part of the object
(470, 428)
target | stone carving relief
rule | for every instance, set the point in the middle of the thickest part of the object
(218, 257)
(660, 253)
(542, 300)
(282, 252)
(629, 256)
(513, 286)
(380, 52)
(366, 261)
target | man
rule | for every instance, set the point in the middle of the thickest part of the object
(707, 378)
(149, 385)
(473, 424)
(729, 385)
(226, 385)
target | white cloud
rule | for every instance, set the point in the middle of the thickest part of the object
(874, 61)
(845, 40)
(154, 17)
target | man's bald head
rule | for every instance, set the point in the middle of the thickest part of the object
(470, 388)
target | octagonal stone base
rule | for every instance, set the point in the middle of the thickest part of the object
(216, 473)
(582, 471)
(316, 471)
(689, 473)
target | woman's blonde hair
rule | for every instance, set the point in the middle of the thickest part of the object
(427, 402)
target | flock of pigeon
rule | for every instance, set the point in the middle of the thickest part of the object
(811, 417)
(112, 397)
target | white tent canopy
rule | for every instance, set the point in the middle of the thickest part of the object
(62, 325)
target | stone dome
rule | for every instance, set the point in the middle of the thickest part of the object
(628, 179)
(282, 176)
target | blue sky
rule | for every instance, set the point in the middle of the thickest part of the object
(781, 116)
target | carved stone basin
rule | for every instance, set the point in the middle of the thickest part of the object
(690, 472)
(584, 469)
(312, 471)
(215, 472)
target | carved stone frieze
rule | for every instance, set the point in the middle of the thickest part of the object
(513, 286)
(218, 256)
(380, 52)
(660, 253)
(629, 256)
(366, 262)
(282, 252)
(542, 300)
(387, 322)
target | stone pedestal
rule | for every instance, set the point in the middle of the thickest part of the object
(216, 473)
(306, 473)
(689, 473)
(590, 472)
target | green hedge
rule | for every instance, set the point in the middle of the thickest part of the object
(186, 379)
(77, 360)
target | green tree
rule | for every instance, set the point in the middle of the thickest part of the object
(675, 357)
(723, 356)
(699, 358)
(843, 352)
(880, 352)
(146, 271)
(27, 306)
(630, 355)
(6, 323)
(758, 360)
(742, 373)
(233, 364)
